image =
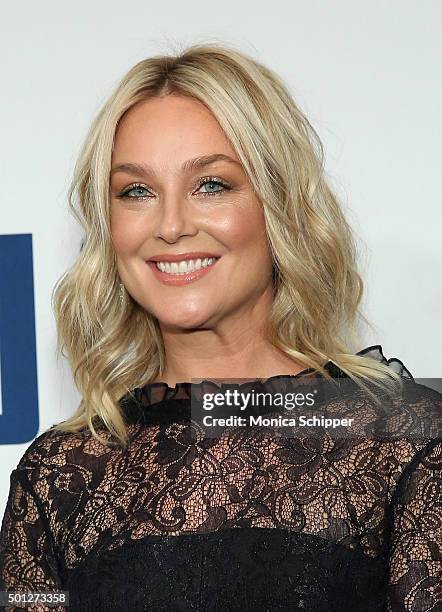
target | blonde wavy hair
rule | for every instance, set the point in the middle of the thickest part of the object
(113, 348)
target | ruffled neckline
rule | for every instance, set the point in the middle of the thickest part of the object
(147, 402)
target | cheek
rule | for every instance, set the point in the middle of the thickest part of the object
(246, 231)
(245, 237)
(127, 232)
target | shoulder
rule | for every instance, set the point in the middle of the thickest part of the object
(415, 421)
(414, 410)
(417, 411)
(406, 424)
(48, 447)
(54, 454)
(419, 394)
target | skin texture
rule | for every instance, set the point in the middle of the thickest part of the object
(212, 327)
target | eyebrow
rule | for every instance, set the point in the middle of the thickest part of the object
(140, 169)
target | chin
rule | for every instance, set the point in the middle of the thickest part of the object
(185, 322)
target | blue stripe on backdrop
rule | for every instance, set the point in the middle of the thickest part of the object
(19, 420)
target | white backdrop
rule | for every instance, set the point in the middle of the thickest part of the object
(366, 74)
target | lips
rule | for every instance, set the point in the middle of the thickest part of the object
(180, 279)
(183, 256)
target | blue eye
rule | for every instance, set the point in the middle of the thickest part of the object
(135, 191)
(216, 182)
(138, 196)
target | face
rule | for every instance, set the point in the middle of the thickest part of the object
(162, 205)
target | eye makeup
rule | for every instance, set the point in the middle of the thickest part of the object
(124, 195)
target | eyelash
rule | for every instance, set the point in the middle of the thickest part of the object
(203, 181)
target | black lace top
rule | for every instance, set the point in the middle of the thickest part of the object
(238, 522)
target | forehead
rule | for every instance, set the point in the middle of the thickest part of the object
(168, 128)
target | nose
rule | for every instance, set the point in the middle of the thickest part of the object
(174, 219)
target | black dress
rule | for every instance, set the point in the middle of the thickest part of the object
(181, 521)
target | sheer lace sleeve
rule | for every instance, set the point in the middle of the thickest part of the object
(415, 573)
(28, 561)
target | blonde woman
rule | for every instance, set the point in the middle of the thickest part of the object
(215, 248)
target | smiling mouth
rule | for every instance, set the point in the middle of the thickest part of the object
(184, 267)
(175, 273)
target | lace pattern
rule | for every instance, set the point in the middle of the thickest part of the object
(74, 503)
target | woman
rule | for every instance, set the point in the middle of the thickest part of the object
(214, 247)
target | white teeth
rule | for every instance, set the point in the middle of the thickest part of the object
(184, 267)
